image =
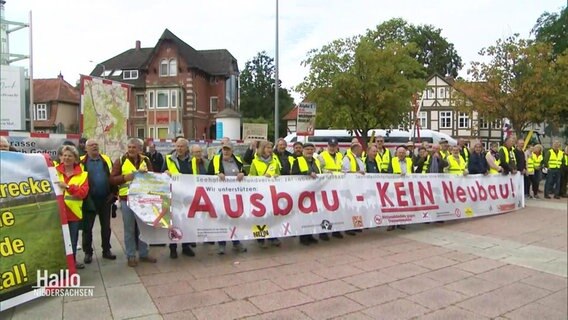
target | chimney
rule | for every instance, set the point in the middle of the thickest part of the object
(137, 45)
(60, 76)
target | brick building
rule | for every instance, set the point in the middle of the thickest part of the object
(56, 106)
(176, 89)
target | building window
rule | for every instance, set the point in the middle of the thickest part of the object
(497, 124)
(442, 93)
(173, 67)
(483, 124)
(163, 99)
(140, 133)
(164, 66)
(463, 120)
(174, 99)
(117, 73)
(151, 100)
(162, 133)
(213, 101)
(106, 73)
(445, 119)
(130, 74)
(423, 119)
(431, 93)
(140, 102)
(40, 112)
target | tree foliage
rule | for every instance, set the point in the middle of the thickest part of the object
(553, 28)
(435, 53)
(521, 83)
(257, 93)
(361, 87)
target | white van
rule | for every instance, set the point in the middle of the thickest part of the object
(393, 138)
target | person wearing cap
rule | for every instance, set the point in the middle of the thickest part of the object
(383, 154)
(307, 165)
(331, 160)
(227, 164)
(445, 148)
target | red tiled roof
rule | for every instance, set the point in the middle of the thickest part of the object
(292, 115)
(46, 90)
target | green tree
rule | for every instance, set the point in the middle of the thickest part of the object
(521, 83)
(553, 28)
(361, 87)
(435, 53)
(257, 93)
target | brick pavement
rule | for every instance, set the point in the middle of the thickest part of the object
(511, 266)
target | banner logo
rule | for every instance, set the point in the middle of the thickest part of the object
(326, 225)
(357, 221)
(260, 231)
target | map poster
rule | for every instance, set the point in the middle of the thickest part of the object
(104, 113)
(306, 121)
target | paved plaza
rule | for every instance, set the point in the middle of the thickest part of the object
(511, 266)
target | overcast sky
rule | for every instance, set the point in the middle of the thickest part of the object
(68, 34)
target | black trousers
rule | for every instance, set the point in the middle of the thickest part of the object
(102, 209)
(527, 181)
(563, 180)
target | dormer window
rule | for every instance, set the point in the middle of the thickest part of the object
(130, 74)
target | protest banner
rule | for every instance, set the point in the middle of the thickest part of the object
(34, 235)
(203, 208)
(306, 121)
(39, 142)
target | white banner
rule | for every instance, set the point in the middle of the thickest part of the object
(12, 98)
(203, 208)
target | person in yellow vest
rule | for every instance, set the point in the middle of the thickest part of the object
(444, 148)
(401, 165)
(266, 164)
(421, 162)
(307, 165)
(353, 163)
(457, 164)
(492, 158)
(383, 154)
(348, 151)
(331, 161)
(507, 157)
(75, 185)
(122, 175)
(553, 162)
(534, 161)
(180, 162)
(464, 149)
(100, 200)
(227, 164)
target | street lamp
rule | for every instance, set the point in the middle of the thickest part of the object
(276, 85)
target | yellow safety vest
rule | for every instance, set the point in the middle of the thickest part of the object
(426, 165)
(332, 164)
(173, 169)
(466, 154)
(533, 161)
(383, 160)
(303, 164)
(455, 166)
(73, 203)
(396, 165)
(497, 162)
(555, 159)
(444, 154)
(127, 168)
(105, 158)
(262, 168)
(217, 162)
(353, 162)
(507, 152)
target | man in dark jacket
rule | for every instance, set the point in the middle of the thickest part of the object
(156, 158)
(437, 162)
(283, 156)
(507, 157)
(521, 162)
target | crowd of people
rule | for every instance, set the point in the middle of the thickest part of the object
(92, 183)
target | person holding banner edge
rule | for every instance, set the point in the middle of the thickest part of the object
(180, 162)
(266, 164)
(122, 175)
(223, 165)
(75, 185)
(400, 165)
